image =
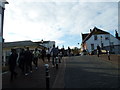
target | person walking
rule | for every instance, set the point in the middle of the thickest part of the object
(69, 51)
(28, 60)
(35, 57)
(43, 54)
(12, 63)
(60, 56)
(54, 54)
(48, 54)
(21, 60)
(98, 50)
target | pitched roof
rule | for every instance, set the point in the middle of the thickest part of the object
(84, 36)
(95, 31)
(19, 44)
(42, 41)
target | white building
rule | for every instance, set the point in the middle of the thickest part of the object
(102, 38)
(7, 46)
(47, 44)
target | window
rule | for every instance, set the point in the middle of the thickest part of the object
(106, 38)
(112, 44)
(95, 37)
(92, 46)
(102, 45)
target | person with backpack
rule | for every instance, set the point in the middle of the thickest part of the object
(35, 57)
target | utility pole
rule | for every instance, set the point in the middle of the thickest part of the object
(2, 8)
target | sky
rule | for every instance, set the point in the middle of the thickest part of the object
(59, 21)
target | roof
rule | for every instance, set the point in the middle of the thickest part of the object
(40, 42)
(95, 31)
(84, 36)
(19, 44)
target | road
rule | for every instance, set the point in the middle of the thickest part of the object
(73, 72)
(90, 72)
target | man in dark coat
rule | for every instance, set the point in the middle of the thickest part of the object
(12, 63)
(22, 60)
(43, 52)
(98, 50)
(28, 61)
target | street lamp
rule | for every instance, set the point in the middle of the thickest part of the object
(78, 45)
(2, 8)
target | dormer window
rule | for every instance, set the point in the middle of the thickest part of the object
(95, 37)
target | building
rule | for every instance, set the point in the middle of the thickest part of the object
(47, 44)
(7, 46)
(102, 38)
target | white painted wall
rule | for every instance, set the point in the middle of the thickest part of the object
(104, 41)
(49, 44)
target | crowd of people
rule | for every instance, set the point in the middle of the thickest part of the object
(27, 58)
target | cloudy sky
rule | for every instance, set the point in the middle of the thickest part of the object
(60, 21)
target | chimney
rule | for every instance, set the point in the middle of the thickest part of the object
(116, 34)
(90, 30)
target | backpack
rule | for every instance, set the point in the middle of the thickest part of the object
(35, 53)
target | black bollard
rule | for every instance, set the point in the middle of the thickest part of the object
(108, 53)
(59, 59)
(56, 62)
(47, 77)
(97, 53)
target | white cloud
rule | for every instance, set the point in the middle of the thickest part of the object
(54, 20)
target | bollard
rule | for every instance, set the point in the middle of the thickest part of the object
(108, 55)
(56, 62)
(47, 76)
(59, 59)
(97, 53)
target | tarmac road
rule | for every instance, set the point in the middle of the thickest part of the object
(73, 72)
(90, 72)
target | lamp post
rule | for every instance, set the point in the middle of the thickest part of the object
(2, 8)
(78, 45)
(78, 48)
(42, 42)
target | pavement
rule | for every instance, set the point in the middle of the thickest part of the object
(34, 80)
